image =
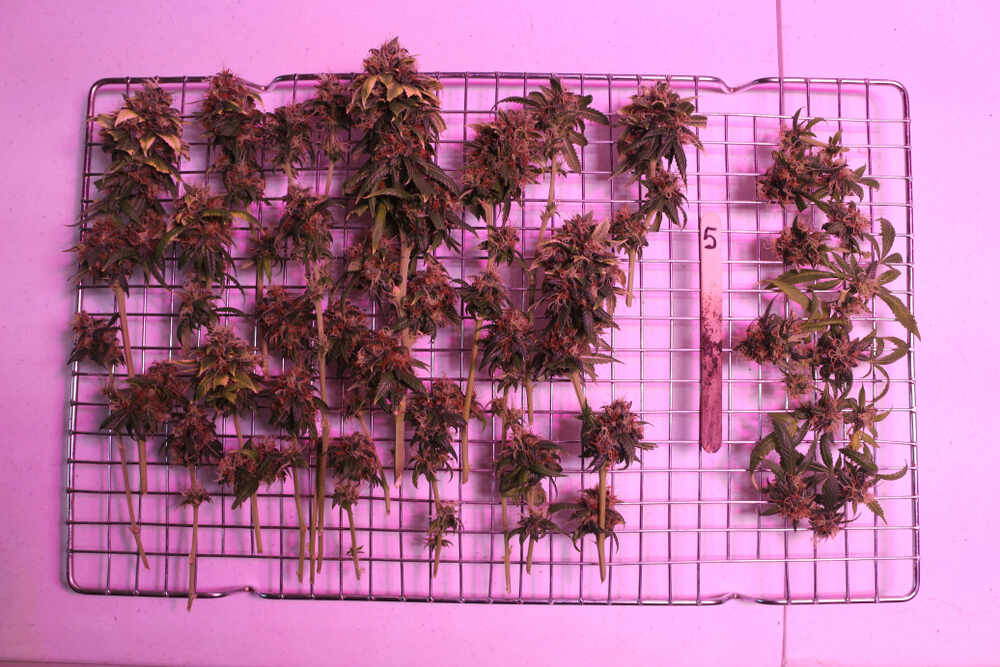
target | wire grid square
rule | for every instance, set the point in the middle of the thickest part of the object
(693, 533)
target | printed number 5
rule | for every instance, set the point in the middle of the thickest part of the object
(709, 238)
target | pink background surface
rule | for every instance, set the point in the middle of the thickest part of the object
(51, 52)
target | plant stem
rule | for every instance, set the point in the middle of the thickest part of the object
(437, 496)
(130, 367)
(600, 560)
(531, 553)
(405, 253)
(578, 388)
(399, 414)
(193, 556)
(549, 212)
(467, 407)
(288, 174)
(629, 295)
(302, 521)
(354, 543)
(141, 443)
(238, 429)
(133, 526)
(193, 559)
(529, 396)
(437, 557)
(602, 503)
(255, 517)
(325, 431)
(123, 323)
(506, 541)
(385, 487)
(329, 178)
(259, 295)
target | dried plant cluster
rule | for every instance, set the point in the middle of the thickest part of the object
(346, 339)
(819, 332)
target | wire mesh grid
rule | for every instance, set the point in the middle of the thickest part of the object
(693, 532)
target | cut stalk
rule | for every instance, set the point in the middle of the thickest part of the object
(329, 178)
(255, 517)
(600, 560)
(354, 543)
(259, 295)
(529, 397)
(531, 553)
(467, 407)
(185, 345)
(629, 295)
(602, 503)
(133, 526)
(325, 431)
(123, 323)
(193, 556)
(506, 541)
(578, 388)
(399, 414)
(437, 556)
(193, 559)
(303, 547)
(437, 497)
(549, 212)
(130, 367)
(385, 487)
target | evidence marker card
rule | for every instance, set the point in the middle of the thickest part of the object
(710, 254)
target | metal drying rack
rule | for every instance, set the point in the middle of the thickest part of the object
(693, 533)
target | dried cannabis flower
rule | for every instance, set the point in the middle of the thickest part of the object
(96, 339)
(507, 348)
(502, 246)
(500, 161)
(445, 521)
(580, 279)
(143, 140)
(799, 246)
(203, 232)
(257, 461)
(532, 527)
(657, 124)
(285, 321)
(628, 231)
(347, 331)
(328, 109)
(353, 460)
(226, 377)
(288, 138)
(234, 124)
(523, 462)
(292, 402)
(191, 439)
(305, 225)
(585, 518)
(196, 310)
(429, 303)
(372, 273)
(434, 415)
(610, 437)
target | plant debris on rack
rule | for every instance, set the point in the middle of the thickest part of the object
(834, 278)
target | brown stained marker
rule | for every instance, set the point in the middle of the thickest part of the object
(710, 422)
